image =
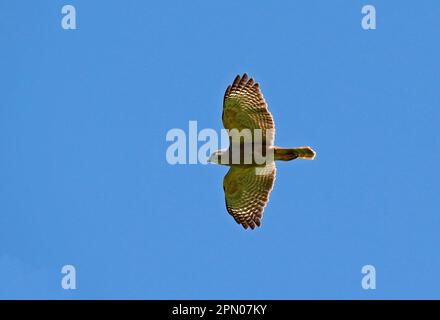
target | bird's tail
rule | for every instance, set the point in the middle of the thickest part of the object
(287, 154)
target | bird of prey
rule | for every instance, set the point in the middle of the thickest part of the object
(248, 183)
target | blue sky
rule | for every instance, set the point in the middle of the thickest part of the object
(84, 178)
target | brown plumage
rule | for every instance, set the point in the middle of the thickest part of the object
(247, 185)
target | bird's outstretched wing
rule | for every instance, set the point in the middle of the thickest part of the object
(244, 107)
(247, 192)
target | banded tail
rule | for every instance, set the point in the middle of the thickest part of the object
(287, 154)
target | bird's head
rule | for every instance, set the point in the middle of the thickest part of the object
(216, 156)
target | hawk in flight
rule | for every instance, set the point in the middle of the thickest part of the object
(249, 181)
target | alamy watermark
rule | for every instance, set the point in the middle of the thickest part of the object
(68, 281)
(369, 279)
(369, 19)
(68, 21)
(246, 146)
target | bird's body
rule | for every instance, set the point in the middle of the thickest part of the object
(258, 154)
(251, 154)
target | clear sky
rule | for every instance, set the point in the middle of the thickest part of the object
(84, 178)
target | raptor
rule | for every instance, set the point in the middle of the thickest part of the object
(249, 181)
